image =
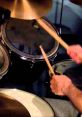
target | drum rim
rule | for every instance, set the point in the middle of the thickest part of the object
(22, 91)
(25, 55)
(5, 67)
(56, 65)
(66, 60)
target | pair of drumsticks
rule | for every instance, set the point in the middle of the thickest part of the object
(56, 37)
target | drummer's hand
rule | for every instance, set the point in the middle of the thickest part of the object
(59, 84)
(75, 52)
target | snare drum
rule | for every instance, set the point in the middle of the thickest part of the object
(36, 106)
(71, 69)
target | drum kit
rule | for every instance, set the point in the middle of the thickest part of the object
(21, 36)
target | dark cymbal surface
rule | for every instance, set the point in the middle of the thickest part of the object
(10, 107)
(78, 2)
(27, 9)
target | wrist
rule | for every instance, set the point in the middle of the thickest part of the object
(67, 90)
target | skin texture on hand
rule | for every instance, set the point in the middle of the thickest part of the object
(60, 84)
(75, 52)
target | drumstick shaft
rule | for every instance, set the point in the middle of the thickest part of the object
(47, 61)
(52, 33)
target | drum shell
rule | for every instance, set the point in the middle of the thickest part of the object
(22, 71)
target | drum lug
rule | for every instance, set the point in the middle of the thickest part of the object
(31, 65)
(53, 58)
(31, 62)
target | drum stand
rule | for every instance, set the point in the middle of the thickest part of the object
(61, 27)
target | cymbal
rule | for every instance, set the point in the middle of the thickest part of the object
(11, 107)
(78, 2)
(27, 9)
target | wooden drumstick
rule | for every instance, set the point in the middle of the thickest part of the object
(52, 33)
(47, 61)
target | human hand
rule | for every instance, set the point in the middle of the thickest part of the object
(59, 84)
(75, 52)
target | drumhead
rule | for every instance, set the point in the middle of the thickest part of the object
(71, 69)
(24, 37)
(36, 106)
(4, 60)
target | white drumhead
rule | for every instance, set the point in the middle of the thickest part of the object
(36, 106)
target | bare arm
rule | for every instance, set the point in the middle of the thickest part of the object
(75, 95)
(63, 86)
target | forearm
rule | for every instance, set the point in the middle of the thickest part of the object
(75, 95)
